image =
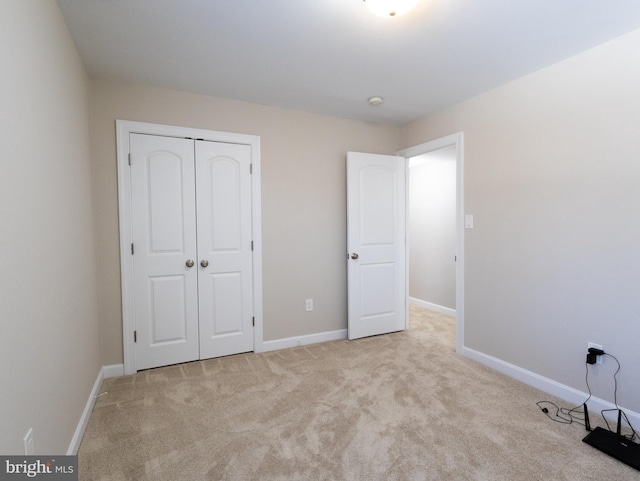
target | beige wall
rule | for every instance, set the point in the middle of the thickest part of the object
(303, 199)
(552, 168)
(49, 347)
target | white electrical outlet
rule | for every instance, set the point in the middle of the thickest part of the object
(309, 305)
(596, 346)
(28, 443)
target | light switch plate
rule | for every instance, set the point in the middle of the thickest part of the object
(468, 221)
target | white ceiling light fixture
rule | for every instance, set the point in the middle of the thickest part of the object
(390, 8)
(375, 101)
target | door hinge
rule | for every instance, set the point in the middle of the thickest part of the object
(455, 258)
(135, 336)
(129, 159)
(253, 320)
(132, 248)
(252, 245)
(251, 168)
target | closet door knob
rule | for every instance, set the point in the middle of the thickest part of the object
(189, 263)
(204, 263)
(354, 256)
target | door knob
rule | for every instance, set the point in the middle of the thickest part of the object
(354, 256)
(190, 263)
(204, 263)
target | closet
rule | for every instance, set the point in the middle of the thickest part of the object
(191, 249)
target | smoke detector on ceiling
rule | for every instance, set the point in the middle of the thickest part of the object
(375, 101)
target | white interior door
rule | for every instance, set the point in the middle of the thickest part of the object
(223, 184)
(164, 241)
(376, 204)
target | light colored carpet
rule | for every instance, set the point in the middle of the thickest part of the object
(399, 407)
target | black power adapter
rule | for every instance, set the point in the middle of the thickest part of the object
(592, 355)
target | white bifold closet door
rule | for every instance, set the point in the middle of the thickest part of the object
(192, 253)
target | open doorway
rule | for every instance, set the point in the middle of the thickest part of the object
(432, 231)
(435, 226)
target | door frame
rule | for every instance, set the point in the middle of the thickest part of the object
(123, 129)
(454, 140)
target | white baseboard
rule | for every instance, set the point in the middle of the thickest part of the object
(86, 414)
(549, 386)
(447, 311)
(304, 340)
(113, 370)
(105, 372)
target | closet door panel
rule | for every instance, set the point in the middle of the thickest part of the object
(223, 192)
(164, 239)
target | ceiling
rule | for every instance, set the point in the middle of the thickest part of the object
(330, 56)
